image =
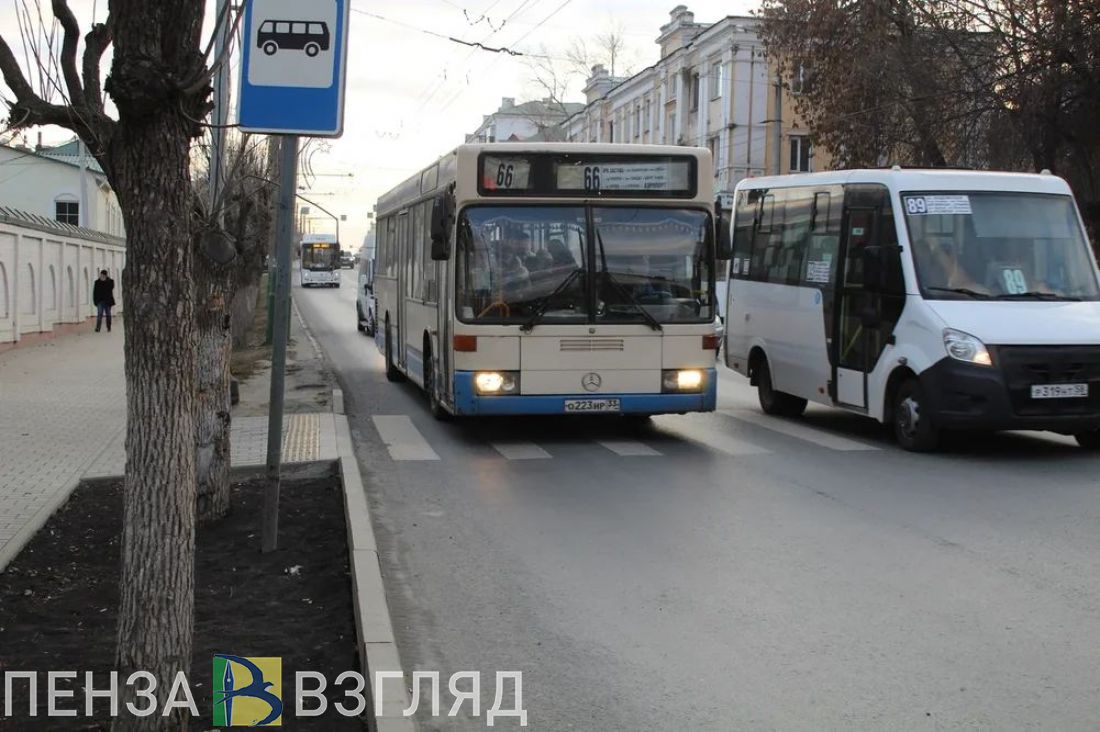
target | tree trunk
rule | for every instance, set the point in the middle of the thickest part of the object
(213, 417)
(150, 164)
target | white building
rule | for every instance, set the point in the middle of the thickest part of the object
(63, 183)
(530, 120)
(712, 87)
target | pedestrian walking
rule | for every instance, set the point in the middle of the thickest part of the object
(103, 297)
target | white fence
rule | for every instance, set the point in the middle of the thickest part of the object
(47, 270)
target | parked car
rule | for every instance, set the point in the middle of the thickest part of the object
(365, 319)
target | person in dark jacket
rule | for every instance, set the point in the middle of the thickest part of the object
(103, 297)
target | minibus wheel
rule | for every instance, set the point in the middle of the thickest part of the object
(776, 403)
(1089, 440)
(359, 319)
(913, 428)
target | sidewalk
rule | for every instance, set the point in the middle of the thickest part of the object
(63, 419)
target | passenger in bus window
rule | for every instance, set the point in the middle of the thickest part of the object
(559, 254)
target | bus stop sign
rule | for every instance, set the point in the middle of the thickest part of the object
(294, 66)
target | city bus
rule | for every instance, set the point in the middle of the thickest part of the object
(928, 300)
(549, 278)
(320, 260)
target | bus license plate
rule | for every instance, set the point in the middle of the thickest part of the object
(593, 405)
(1060, 391)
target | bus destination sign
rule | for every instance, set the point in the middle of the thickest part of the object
(642, 176)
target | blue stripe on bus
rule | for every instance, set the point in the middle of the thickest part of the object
(467, 401)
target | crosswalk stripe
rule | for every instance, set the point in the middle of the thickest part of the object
(715, 440)
(799, 431)
(403, 439)
(520, 451)
(629, 448)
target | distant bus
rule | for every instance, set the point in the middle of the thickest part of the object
(928, 300)
(553, 278)
(294, 35)
(320, 265)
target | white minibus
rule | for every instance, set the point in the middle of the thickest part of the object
(928, 300)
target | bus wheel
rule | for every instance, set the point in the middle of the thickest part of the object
(435, 406)
(312, 50)
(271, 48)
(912, 425)
(1089, 440)
(392, 374)
(774, 402)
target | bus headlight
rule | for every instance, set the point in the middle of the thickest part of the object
(965, 347)
(491, 383)
(682, 381)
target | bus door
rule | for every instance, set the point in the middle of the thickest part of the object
(867, 312)
(404, 278)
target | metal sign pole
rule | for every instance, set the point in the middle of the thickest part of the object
(284, 227)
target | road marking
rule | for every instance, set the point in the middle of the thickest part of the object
(800, 431)
(715, 440)
(521, 451)
(629, 448)
(403, 439)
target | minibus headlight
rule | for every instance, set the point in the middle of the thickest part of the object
(491, 383)
(682, 381)
(965, 347)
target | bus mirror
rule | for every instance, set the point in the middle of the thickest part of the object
(724, 250)
(442, 217)
(723, 228)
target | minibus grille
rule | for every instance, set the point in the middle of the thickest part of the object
(588, 345)
(1025, 366)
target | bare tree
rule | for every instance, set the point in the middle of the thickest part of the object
(160, 85)
(232, 240)
(976, 83)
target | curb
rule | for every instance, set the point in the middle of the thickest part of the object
(377, 645)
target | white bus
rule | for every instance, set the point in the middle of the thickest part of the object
(320, 260)
(553, 278)
(929, 300)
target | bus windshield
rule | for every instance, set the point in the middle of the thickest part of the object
(999, 246)
(320, 257)
(553, 264)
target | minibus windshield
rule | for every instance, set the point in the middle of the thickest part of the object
(999, 246)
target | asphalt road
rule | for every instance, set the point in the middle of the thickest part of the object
(727, 572)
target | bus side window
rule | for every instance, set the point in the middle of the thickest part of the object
(744, 223)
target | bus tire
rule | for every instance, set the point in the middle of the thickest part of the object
(392, 373)
(775, 403)
(435, 406)
(1089, 440)
(312, 50)
(913, 428)
(271, 48)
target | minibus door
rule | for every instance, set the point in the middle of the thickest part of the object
(852, 344)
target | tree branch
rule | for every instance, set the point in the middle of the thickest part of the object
(97, 41)
(69, 45)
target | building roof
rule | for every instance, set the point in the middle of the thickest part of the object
(542, 108)
(67, 154)
(18, 217)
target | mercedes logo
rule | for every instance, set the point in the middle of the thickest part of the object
(592, 382)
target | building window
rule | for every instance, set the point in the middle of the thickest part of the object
(645, 114)
(694, 95)
(717, 79)
(714, 147)
(637, 121)
(802, 152)
(611, 131)
(67, 212)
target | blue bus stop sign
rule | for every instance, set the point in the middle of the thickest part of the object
(294, 66)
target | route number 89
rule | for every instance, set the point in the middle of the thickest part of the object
(916, 206)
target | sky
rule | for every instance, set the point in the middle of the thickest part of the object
(412, 96)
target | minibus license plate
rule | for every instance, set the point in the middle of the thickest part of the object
(1060, 391)
(593, 405)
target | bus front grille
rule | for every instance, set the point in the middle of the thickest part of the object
(588, 345)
